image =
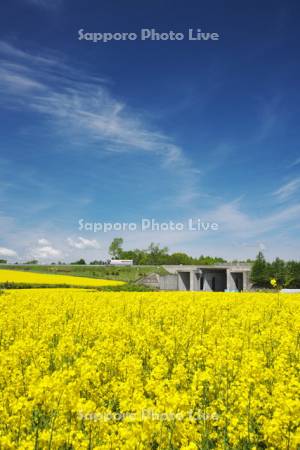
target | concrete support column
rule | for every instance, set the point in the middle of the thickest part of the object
(230, 281)
(206, 284)
(246, 281)
(192, 281)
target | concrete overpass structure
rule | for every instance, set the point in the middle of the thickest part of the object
(217, 278)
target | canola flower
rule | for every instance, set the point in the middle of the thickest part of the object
(129, 371)
(15, 276)
(273, 282)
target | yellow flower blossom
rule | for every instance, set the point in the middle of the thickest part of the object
(15, 276)
(118, 370)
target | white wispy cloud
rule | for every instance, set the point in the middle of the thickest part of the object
(45, 252)
(14, 81)
(287, 190)
(15, 56)
(83, 243)
(43, 241)
(270, 118)
(7, 252)
(234, 221)
(294, 163)
(83, 104)
(80, 107)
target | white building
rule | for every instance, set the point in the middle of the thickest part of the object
(121, 262)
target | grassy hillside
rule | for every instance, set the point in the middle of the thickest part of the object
(126, 273)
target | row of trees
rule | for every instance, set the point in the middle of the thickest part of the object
(156, 255)
(286, 273)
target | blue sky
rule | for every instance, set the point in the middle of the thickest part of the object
(120, 131)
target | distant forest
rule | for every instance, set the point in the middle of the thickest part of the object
(156, 255)
(286, 273)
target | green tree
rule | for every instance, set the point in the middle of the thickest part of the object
(293, 274)
(79, 262)
(277, 270)
(157, 255)
(259, 273)
(115, 248)
(180, 258)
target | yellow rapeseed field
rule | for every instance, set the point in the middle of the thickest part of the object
(15, 276)
(146, 371)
